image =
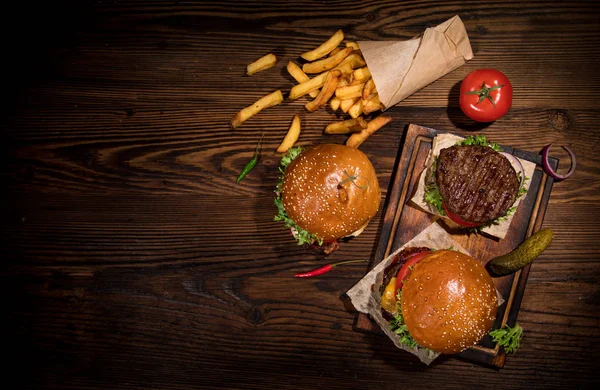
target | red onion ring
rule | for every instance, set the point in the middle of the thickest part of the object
(548, 168)
(517, 165)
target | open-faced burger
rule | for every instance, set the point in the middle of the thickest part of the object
(476, 183)
(473, 183)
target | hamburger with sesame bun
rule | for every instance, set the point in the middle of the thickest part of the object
(441, 300)
(326, 193)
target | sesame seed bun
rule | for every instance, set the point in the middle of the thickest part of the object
(331, 191)
(449, 302)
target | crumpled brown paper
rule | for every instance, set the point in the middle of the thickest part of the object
(401, 68)
(365, 294)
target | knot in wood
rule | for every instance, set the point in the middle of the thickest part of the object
(255, 315)
(559, 120)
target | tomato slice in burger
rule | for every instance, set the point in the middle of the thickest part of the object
(457, 219)
(405, 269)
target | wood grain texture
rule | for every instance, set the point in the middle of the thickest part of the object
(134, 260)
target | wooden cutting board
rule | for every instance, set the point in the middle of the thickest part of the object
(403, 221)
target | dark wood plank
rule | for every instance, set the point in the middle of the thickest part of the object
(133, 259)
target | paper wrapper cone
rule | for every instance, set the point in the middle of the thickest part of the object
(401, 68)
(365, 294)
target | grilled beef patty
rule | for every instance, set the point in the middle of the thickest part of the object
(477, 183)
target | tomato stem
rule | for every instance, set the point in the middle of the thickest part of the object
(484, 93)
(353, 178)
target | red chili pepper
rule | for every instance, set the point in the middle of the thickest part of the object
(324, 269)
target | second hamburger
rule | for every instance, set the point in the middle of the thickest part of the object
(441, 300)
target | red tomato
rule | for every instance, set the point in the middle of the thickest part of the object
(485, 95)
(457, 219)
(405, 269)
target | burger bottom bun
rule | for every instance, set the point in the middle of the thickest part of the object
(449, 302)
(357, 232)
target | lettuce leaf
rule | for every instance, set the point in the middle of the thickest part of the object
(522, 190)
(301, 235)
(398, 326)
(479, 140)
(432, 194)
(507, 337)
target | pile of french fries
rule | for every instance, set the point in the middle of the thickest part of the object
(340, 77)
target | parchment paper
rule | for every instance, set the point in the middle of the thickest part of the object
(401, 68)
(365, 294)
(442, 141)
(365, 297)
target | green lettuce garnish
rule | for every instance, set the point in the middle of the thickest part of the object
(479, 140)
(301, 235)
(398, 326)
(287, 158)
(507, 337)
(434, 198)
(432, 192)
(522, 190)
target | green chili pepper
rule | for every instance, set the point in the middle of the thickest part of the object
(252, 163)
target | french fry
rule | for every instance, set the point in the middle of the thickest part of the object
(335, 51)
(369, 89)
(343, 82)
(354, 81)
(301, 77)
(292, 135)
(262, 63)
(356, 139)
(332, 80)
(374, 99)
(345, 104)
(308, 86)
(361, 75)
(349, 91)
(325, 48)
(356, 109)
(355, 60)
(345, 68)
(334, 103)
(372, 104)
(347, 126)
(327, 63)
(270, 100)
(353, 45)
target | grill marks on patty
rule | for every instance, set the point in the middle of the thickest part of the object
(476, 183)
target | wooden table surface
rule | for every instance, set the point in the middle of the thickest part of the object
(134, 260)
